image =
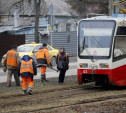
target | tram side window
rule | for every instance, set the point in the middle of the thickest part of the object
(121, 30)
(120, 48)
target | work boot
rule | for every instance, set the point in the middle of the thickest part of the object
(42, 78)
(24, 92)
(18, 85)
(45, 79)
(30, 92)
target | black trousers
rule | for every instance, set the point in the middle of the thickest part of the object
(62, 76)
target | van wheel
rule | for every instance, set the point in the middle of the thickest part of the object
(53, 61)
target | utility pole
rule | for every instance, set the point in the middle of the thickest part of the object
(51, 12)
(51, 28)
(37, 7)
(111, 7)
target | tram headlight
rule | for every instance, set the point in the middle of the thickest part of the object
(103, 65)
(85, 65)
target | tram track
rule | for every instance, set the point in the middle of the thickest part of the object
(60, 98)
(38, 92)
(70, 92)
(82, 103)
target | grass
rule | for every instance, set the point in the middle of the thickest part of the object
(38, 86)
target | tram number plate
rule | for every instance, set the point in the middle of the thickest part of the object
(85, 71)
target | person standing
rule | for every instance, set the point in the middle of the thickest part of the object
(43, 59)
(27, 69)
(62, 64)
(11, 62)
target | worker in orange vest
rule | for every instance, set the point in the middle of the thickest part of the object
(42, 57)
(11, 62)
(27, 69)
(62, 64)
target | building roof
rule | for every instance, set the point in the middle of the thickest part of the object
(27, 9)
(5, 28)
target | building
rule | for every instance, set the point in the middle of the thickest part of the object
(20, 16)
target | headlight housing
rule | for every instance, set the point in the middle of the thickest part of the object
(103, 65)
(84, 65)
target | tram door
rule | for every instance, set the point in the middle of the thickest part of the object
(119, 56)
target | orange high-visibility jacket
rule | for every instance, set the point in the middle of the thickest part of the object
(62, 61)
(26, 66)
(11, 58)
(43, 54)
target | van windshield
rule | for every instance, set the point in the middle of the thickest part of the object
(95, 38)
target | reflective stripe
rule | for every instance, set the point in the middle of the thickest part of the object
(26, 67)
(24, 89)
(44, 50)
(12, 57)
(8, 55)
(29, 88)
(26, 64)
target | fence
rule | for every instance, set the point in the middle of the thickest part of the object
(29, 38)
(67, 41)
(7, 41)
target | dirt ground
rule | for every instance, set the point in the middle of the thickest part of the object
(67, 98)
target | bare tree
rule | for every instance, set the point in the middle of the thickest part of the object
(110, 7)
(82, 6)
(103, 6)
(37, 5)
(19, 5)
(15, 5)
(79, 6)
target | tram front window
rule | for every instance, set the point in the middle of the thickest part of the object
(95, 38)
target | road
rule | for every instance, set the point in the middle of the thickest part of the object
(50, 73)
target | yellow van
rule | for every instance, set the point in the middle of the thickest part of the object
(31, 50)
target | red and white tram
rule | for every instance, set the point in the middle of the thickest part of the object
(102, 51)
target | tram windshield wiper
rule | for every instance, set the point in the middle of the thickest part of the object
(97, 42)
(85, 47)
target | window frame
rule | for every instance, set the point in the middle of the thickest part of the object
(96, 57)
(121, 56)
(36, 47)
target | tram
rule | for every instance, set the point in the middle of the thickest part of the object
(102, 51)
